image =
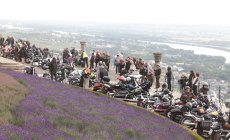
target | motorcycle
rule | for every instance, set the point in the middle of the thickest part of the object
(31, 70)
(45, 63)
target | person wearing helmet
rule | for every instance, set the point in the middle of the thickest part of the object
(187, 96)
(204, 90)
(203, 93)
(84, 82)
(164, 86)
(166, 91)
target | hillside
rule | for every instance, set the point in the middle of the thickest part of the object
(56, 111)
(12, 92)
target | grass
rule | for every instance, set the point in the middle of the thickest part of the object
(51, 104)
(132, 134)
(12, 93)
(22, 82)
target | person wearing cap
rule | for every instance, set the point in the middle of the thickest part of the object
(158, 75)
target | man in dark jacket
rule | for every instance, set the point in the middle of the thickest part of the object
(53, 69)
(187, 95)
(107, 60)
(92, 60)
(158, 75)
(72, 51)
(191, 78)
(103, 72)
(169, 77)
(123, 72)
(23, 54)
(127, 65)
(203, 93)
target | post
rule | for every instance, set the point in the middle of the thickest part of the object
(83, 44)
(85, 83)
(157, 57)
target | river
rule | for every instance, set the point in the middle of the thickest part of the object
(199, 50)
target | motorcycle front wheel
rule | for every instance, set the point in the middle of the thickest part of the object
(188, 122)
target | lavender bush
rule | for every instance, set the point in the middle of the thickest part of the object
(56, 111)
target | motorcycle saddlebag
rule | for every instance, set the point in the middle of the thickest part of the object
(205, 125)
(97, 86)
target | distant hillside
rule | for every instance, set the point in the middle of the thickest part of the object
(56, 111)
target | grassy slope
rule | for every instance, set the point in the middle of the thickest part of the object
(12, 92)
(56, 111)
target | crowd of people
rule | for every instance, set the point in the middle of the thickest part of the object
(132, 65)
(100, 62)
(190, 87)
(20, 50)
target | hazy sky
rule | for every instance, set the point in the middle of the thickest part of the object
(120, 11)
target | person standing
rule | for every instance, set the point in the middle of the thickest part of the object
(92, 60)
(116, 62)
(53, 69)
(183, 81)
(16, 50)
(107, 60)
(150, 72)
(98, 57)
(191, 78)
(85, 58)
(23, 54)
(34, 47)
(158, 75)
(127, 64)
(70, 60)
(196, 81)
(169, 77)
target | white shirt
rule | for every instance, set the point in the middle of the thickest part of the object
(195, 79)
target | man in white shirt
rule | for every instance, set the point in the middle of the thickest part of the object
(150, 72)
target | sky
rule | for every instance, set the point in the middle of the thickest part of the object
(120, 11)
